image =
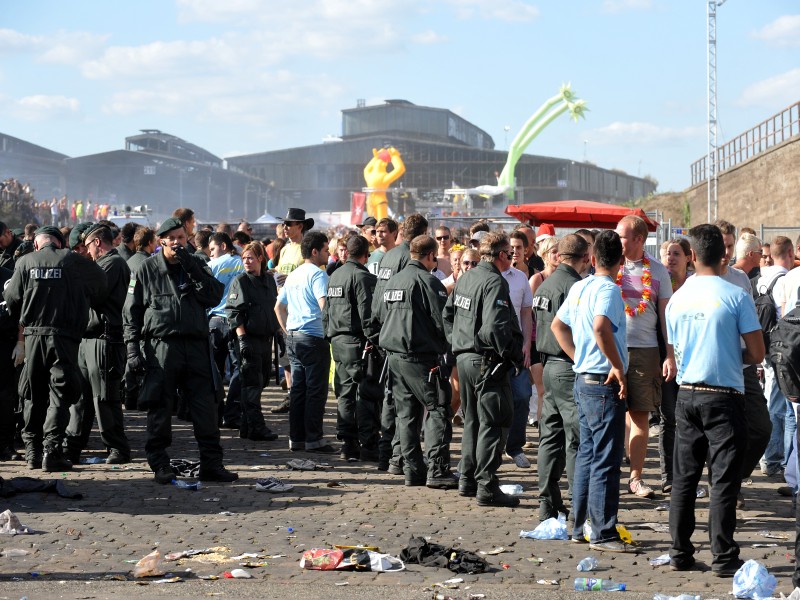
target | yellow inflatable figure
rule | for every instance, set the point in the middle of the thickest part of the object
(379, 180)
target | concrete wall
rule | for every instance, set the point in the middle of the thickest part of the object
(764, 190)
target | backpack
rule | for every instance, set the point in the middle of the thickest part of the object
(766, 310)
(784, 353)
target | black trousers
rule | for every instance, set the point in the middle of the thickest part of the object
(709, 426)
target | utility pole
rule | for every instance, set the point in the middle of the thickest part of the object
(711, 160)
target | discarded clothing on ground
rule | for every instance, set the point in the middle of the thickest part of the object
(24, 485)
(349, 559)
(422, 552)
(185, 468)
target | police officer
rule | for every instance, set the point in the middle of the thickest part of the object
(166, 309)
(486, 339)
(76, 235)
(559, 432)
(8, 244)
(250, 311)
(413, 337)
(144, 241)
(50, 294)
(348, 306)
(12, 354)
(102, 358)
(392, 262)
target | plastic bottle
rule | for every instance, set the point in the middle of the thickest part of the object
(681, 597)
(587, 564)
(584, 584)
(195, 485)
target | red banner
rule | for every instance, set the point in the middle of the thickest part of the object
(357, 202)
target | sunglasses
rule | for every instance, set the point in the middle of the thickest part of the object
(469, 263)
(441, 238)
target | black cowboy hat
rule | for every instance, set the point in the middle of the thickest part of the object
(298, 215)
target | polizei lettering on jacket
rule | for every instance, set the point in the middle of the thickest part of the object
(463, 302)
(335, 292)
(384, 273)
(49, 273)
(394, 295)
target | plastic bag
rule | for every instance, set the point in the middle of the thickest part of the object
(321, 559)
(10, 524)
(150, 565)
(624, 534)
(753, 580)
(549, 529)
(384, 562)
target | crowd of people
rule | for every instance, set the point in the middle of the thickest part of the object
(588, 337)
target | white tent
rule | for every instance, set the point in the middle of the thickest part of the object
(267, 218)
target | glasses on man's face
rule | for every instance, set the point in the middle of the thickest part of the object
(469, 263)
(371, 231)
(441, 238)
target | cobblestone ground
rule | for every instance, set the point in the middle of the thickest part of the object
(124, 515)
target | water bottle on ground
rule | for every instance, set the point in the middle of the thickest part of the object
(588, 564)
(586, 584)
(195, 485)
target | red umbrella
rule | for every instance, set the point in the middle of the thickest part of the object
(576, 213)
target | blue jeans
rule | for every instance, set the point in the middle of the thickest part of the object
(521, 394)
(310, 360)
(775, 454)
(789, 429)
(595, 493)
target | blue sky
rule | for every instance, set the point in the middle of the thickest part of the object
(243, 76)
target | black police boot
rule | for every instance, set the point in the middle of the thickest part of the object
(33, 458)
(367, 454)
(495, 497)
(467, 487)
(54, 460)
(117, 457)
(266, 435)
(351, 451)
(164, 474)
(220, 474)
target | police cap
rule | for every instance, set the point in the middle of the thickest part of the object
(169, 225)
(76, 235)
(54, 231)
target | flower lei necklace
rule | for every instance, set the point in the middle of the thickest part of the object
(647, 292)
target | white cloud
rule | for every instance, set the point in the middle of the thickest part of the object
(62, 47)
(501, 10)
(773, 93)
(162, 59)
(43, 108)
(428, 37)
(617, 6)
(782, 32)
(642, 133)
(14, 41)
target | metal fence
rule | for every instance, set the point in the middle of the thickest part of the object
(767, 233)
(777, 129)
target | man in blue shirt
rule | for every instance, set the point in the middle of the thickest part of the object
(705, 320)
(299, 311)
(225, 265)
(590, 327)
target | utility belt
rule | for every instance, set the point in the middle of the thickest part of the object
(715, 389)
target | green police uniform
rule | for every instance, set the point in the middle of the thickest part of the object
(7, 259)
(251, 304)
(392, 262)
(482, 327)
(101, 359)
(125, 252)
(347, 307)
(413, 336)
(8, 377)
(559, 431)
(166, 311)
(133, 381)
(50, 294)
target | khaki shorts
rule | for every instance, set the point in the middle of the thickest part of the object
(644, 379)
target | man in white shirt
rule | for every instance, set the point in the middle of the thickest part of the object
(780, 411)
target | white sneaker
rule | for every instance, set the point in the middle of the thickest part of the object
(273, 484)
(521, 461)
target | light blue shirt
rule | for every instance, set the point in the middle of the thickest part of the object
(597, 295)
(301, 293)
(225, 268)
(705, 320)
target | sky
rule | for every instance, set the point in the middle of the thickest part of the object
(246, 76)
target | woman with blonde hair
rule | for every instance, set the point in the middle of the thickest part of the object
(548, 251)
